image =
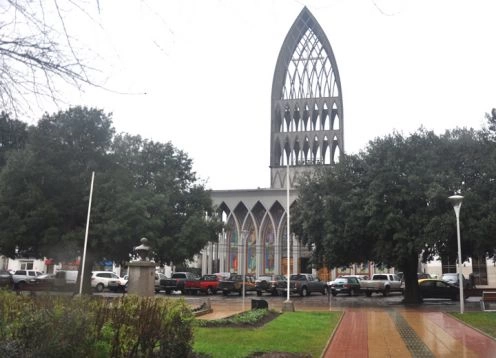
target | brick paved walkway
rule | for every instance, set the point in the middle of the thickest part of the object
(406, 333)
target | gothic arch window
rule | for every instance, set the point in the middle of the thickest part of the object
(306, 116)
(232, 245)
(306, 150)
(268, 235)
(287, 118)
(250, 246)
(335, 151)
(334, 116)
(315, 116)
(296, 119)
(325, 118)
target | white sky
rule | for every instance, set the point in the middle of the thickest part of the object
(206, 67)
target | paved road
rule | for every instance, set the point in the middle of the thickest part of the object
(324, 302)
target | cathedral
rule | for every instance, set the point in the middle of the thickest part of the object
(306, 132)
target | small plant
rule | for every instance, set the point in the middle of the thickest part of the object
(246, 318)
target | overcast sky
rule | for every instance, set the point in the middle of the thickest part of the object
(199, 73)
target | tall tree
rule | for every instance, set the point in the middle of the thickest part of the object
(389, 203)
(44, 187)
(13, 135)
(142, 189)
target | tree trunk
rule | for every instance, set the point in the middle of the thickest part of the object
(412, 293)
(88, 267)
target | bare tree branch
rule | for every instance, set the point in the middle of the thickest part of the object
(33, 61)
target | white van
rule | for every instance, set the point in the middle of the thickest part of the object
(65, 278)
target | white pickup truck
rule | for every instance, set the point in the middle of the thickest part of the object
(382, 283)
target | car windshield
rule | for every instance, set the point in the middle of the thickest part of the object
(450, 277)
(264, 278)
(340, 280)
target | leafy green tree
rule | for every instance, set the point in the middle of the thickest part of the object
(142, 189)
(13, 135)
(44, 187)
(389, 203)
(154, 193)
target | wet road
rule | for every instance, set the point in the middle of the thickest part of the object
(318, 302)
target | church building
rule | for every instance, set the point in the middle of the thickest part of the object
(306, 132)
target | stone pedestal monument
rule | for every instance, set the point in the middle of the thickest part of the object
(142, 272)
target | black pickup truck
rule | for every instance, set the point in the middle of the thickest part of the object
(235, 284)
(176, 282)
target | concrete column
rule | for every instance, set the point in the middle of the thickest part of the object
(210, 256)
(215, 256)
(240, 253)
(296, 254)
(204, 261)
(258, 255)
(222, 251)
(277, 254)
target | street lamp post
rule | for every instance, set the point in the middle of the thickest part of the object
(243, 268)
(288, 305)
(456, 201)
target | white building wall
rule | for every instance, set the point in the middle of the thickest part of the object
(24, 264)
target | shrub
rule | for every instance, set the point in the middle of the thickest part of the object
(130, 326)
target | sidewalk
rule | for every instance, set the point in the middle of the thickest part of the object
(406, 333)
(389, 330)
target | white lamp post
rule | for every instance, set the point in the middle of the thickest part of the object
(456, 201)
(288, 305)
(244, 233)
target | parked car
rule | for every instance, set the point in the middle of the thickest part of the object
(431, 288)
(454, 279)
(158, 276)
(346, 284)
(303, 284)
(65, 279)
(208, 284)
(423, 275)
(382, 283)
(268, 283)
(176, 282)
(25, 277)
(235, 284)
(101, 280)
(6, 279)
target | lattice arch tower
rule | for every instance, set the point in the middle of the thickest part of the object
(306, 106)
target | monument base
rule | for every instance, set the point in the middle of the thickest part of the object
(141, 278)
(288, 306)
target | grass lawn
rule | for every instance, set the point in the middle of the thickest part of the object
(484, 321)
(297, 332)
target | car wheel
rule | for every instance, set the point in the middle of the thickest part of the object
(368, 293)
(225, 293)
(324, 291)
(386, 291)
(334, 293)
(304, 292)
(99, 287)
